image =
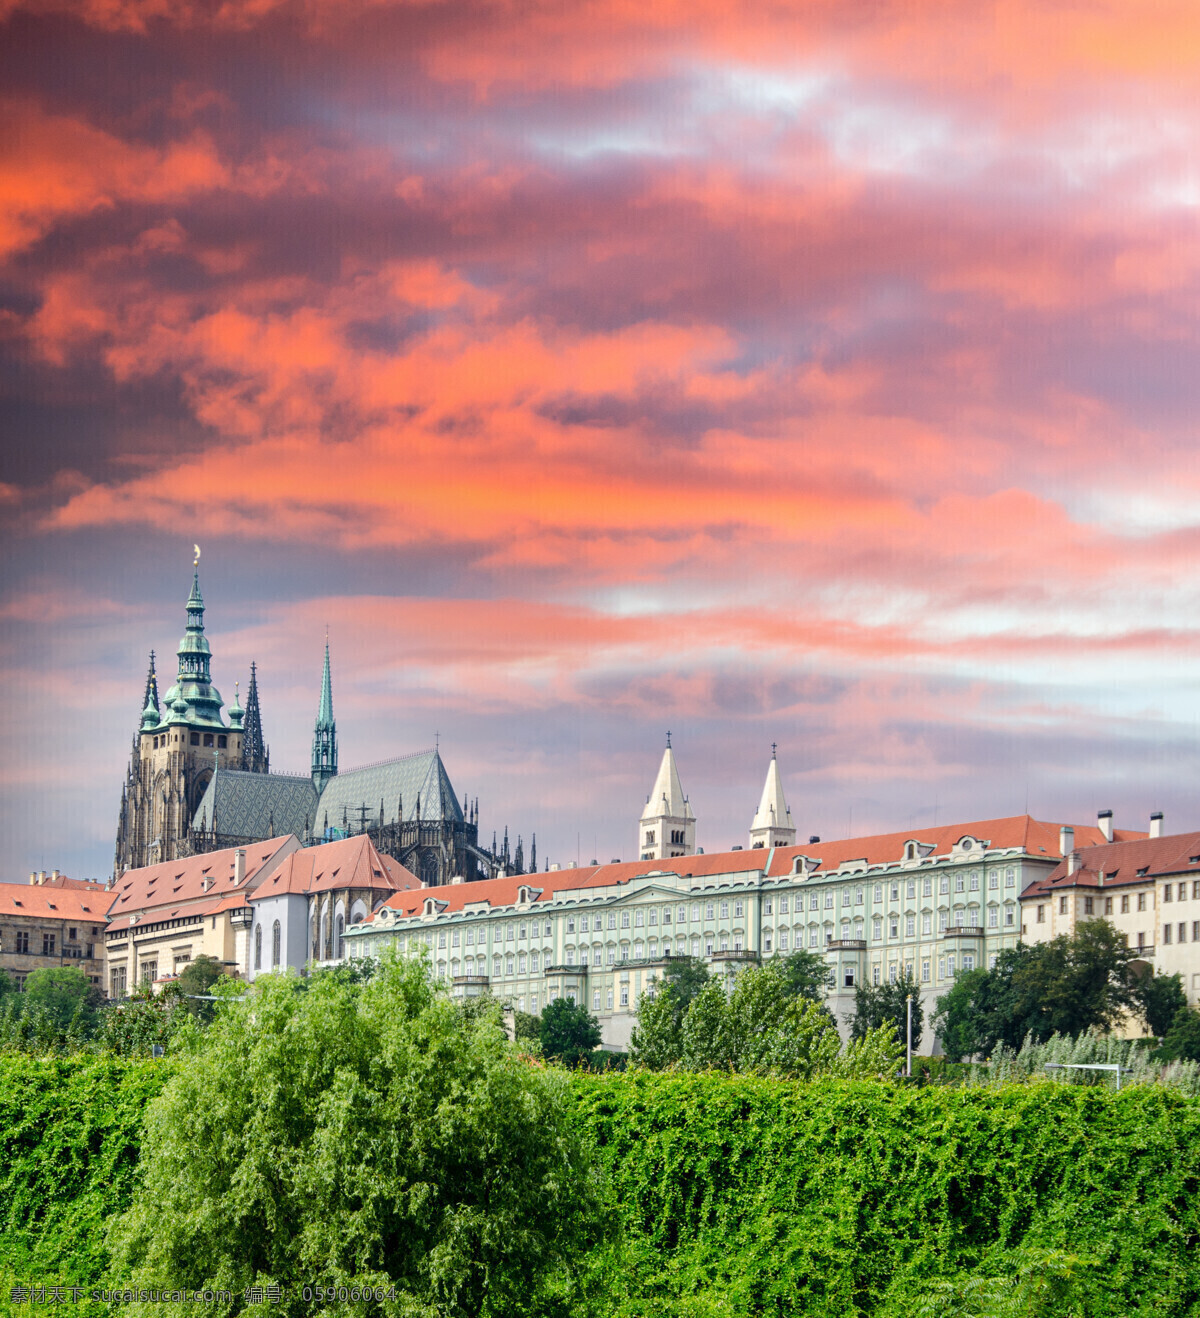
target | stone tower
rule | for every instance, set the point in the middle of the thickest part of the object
(175, 752)
(668, 826)
(772, 824)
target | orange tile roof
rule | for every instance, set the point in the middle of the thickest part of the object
(1031, 835)
(352, 862)
(180, 884)
(1119, 862)
(83, 905)
(82, 885)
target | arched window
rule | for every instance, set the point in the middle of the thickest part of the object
(258, 947)
(275, 940)
(338, 946)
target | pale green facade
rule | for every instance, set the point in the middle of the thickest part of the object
(603, 945)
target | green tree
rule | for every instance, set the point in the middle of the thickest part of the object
(1160, 998)
(7, 984)
(1181, 1041)
(196, 983)
(876, 1005)
(762, 1027)
(66, 995)
(986, 1008)
(568, 1033)
(362, 1135)
(132, 1027)
(657, 1039)
(808, 975)
(1075, 982)
(959, 1018)
(527, 1026)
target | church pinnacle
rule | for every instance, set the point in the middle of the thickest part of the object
(772, 824)
(324, 747)
(256, 757)
(667, 825)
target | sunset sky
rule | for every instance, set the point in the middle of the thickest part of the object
(818, 373)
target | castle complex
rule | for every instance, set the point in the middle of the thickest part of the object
(197, 783)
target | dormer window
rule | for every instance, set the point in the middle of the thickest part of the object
(428, 905)
(910, 851)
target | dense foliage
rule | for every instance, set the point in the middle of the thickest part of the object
(895, 1002)
(1072, 984)
(761, 1025)
(70, 1133)
(1181, 1043)
(741, 1196)
(362, 1134)
(567, 1032)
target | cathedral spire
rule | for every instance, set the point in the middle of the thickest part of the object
(324, 747)
(150, 699)
(256, 758)
(193, 699)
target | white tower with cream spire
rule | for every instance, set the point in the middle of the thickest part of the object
(668, 827)
(772, 825)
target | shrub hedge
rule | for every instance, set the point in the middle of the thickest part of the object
(70, 1131)
(744, 1196)
(749, 1196)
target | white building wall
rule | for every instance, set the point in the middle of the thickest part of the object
(291, 910)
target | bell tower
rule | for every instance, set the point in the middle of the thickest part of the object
(667, 826)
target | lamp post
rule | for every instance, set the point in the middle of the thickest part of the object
(908, 1032)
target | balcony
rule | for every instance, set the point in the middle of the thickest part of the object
(847, 945)
(738, 954)
(575, 970)
(965, 931)
(470, 981)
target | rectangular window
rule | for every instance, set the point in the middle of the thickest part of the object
(941, 967)
(1166, 892)
(709, 910)
(783, 941)
(454, 937)
(1124, 905)
(993, 917)
(695, 911)
(910, 925)
(858, 897)
(766, 942)
(925, 972)
(624, 919)
(521, 963)
(496, 966)
(814, 938)
(958, 882)
(829, 900)
(652, 917)
(944, 887)
(878, 896)
(1196, 931)
(943, 917)
(533, 962)
(968, 961)
(926, 924)
(1089, 905)
(1182, 932)
(47, 944)
(877, 927)
(442, 939)
(612, 919)
(927, 886)
(1062, 905)
(912, 887)
(950, 966)
(571, 924)
(894, 927)
(23, 945)
(596, 1000)
(624, 995)
(666, 915)
(681, 915)
(1196, 889)
(510, 933)
(1166, 933)
(739, 908)
(725, 907)
(638, 917)
(1009, 916)
(875, 973)
(768, 907)
(1108, 906)
(612, 956)
(895, 892)
(610, 996)
(993, 879)
(1141, 901)
(1009, 878)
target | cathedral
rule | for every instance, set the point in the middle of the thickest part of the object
(196, 783)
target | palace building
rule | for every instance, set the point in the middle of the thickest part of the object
(197, 783)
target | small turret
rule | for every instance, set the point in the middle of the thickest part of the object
(772, 824)
(667, 826)
(324, 747)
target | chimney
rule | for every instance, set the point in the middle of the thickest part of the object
(54, 875)
(1066, 840)
(33, 877)
(1156, 824)
(239, 865)
(41, 876)
(205, 883)
(457, 878)
(1104, 824)
(1072, 862)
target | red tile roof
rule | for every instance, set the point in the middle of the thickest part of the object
(352, 862)
(82, 885)
(180, 884)
(1120, 862)
(82, 905)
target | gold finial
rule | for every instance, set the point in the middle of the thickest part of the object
(196, 560)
